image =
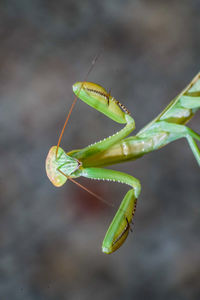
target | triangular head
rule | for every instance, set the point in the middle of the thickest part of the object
(58, 164)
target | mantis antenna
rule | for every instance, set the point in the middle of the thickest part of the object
(86, 189)
(75, 100)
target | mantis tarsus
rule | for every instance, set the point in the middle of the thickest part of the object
(88, 162)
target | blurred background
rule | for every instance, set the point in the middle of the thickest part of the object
(50, 238)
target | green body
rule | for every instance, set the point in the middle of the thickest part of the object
(87, 162)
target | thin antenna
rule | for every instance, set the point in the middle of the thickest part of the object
(66, 121)
(87, 190)
(74, 102)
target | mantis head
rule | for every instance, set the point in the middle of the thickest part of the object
(59, 163)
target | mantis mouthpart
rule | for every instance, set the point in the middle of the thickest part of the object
(89, 161)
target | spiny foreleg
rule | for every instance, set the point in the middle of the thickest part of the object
(120, 226)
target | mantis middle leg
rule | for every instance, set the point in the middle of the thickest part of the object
(179, 131)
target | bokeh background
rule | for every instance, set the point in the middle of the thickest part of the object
(50, 238)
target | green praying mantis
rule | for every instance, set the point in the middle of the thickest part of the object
(168, 126)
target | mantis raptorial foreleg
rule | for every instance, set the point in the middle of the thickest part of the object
(109, 141)
(95, 96)
(119, 227)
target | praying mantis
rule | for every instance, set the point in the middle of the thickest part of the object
(88, 162)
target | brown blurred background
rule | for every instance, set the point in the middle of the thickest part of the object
(50, 238)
